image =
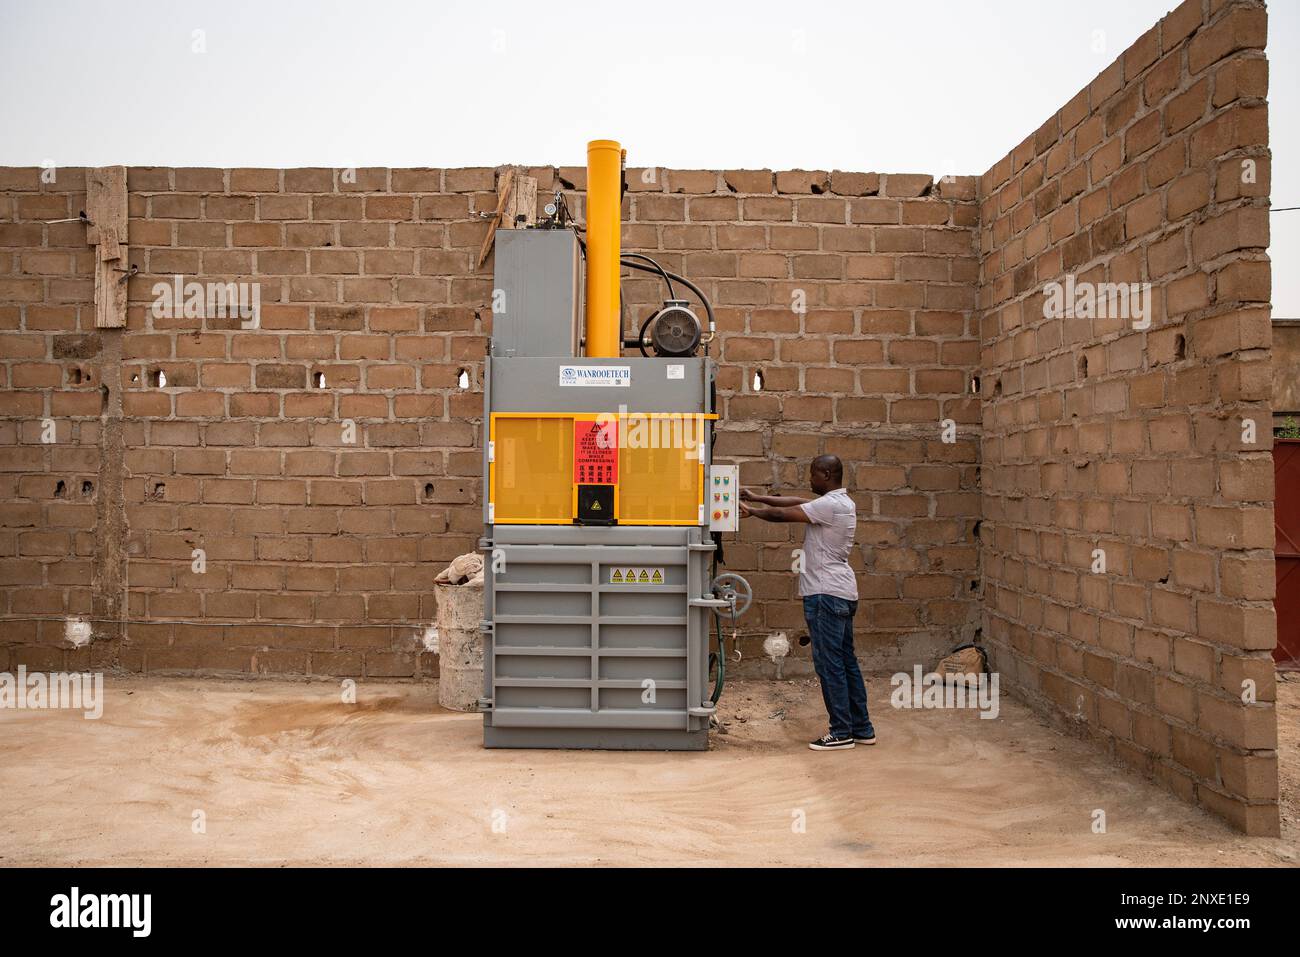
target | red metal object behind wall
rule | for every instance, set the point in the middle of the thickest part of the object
(1286, 528)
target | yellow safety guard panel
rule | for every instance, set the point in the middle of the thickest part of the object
(660, 475)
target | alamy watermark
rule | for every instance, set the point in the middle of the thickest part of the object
(940, 691)
(73, 690)
(639, 430)
(1098, 300)
(130, 911)
(211, 300)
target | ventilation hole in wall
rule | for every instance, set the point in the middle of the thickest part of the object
(135, 378)
(318, 380)
(61, 490)
(974, 385)
(1180, 347)
(462, 379)
(87, 489)
(428, 490)
(158, 379)
(159, 491)
(757, 384)
(76, 376)
(1083, 367)
(975, 638)
(103, 399)
(975, 529)
(997, 386)
(978, 473)
(975, 584)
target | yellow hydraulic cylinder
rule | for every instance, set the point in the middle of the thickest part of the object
(604, 213)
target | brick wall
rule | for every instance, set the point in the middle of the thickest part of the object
(1093, 436)
(320, 553)
(1099, 436)
(884, 350)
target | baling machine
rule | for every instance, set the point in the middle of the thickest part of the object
(603, 511)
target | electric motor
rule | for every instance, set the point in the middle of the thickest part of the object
(674, 330)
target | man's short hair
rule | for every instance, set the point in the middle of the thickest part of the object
(831, 465)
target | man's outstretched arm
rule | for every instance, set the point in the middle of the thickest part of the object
(774, 513)
(780, 501)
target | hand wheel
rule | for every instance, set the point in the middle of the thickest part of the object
(733, 588)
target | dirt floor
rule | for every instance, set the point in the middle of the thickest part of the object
(285, 773)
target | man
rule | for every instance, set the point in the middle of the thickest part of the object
(830, 595)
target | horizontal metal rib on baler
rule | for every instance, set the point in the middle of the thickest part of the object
(632, 684)
(560, 651)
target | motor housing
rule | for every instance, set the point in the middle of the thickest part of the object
(675, 331)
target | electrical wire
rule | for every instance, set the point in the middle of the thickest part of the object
(260, 623)
(207, 623)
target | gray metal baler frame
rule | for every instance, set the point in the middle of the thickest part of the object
(572, 660)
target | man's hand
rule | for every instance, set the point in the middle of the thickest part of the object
(746, 496)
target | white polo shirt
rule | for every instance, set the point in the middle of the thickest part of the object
(827, 541)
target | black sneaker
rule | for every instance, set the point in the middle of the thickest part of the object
(870, 740)
(828, 742)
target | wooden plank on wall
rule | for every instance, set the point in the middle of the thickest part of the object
(505, 185)
(516, 207)
(521, 211)
(106, 209)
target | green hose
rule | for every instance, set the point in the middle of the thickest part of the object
(722, 651)
(722, 659)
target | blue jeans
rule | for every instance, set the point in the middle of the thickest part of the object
(830, 626)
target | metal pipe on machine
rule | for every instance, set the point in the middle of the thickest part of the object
(604, 208)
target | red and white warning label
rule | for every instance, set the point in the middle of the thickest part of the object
(595, 451)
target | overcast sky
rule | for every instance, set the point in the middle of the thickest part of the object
(900, 86)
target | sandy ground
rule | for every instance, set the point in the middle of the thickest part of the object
(284, 772)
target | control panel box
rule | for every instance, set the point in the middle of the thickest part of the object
(722, 498)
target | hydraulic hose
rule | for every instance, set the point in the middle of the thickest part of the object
(662, 272)
(708, 308)
(640, 336)
(721, 657)
(668, 278)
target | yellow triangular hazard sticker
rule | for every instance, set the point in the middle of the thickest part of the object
(617, 577)
(595, 506)
(658, 577)
(644, 577)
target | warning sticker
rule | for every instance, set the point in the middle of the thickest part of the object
(595, 451)
(636, 576)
